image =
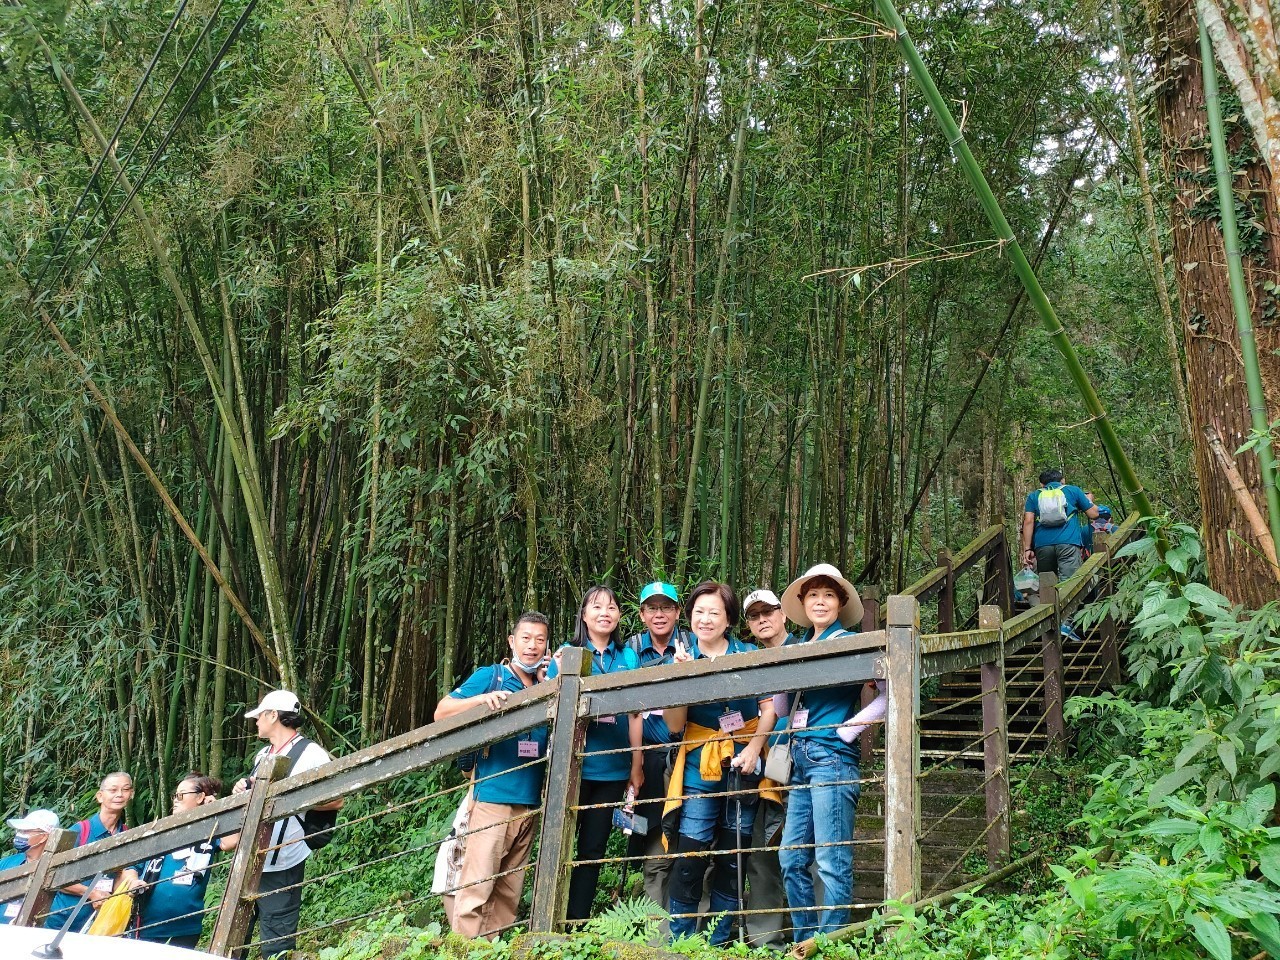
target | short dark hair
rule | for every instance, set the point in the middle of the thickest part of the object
(723, 591)
(289, 718)
(822, 580)
(532, 616)
(209, 786)
(581, 638)
(1052, 475)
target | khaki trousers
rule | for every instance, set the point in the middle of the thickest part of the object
(486, 902)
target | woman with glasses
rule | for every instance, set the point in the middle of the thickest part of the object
(172, 887)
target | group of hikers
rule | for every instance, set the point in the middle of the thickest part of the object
(759, 792)
(167, 893)
(690, 781)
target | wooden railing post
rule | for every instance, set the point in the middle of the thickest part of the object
(902, 752)
(995, 754)
(564, 774)
(947, 594)
(236, 916)
(36, 903)
(870, 621)
(998, 577)
(1051, 660)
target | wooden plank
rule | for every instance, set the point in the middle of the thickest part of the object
(1051, 658)
(978, 548)
(902, 753)
(995, 760)
(564, 776)
(40, 889)
(688, 683)
(236, 916)
(427, 747)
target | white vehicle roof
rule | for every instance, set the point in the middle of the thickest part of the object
(16, 943)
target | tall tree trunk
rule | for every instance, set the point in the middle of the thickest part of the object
(1215, 374)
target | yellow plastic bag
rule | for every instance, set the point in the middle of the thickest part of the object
(112, 918)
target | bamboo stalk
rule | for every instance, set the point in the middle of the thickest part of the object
(1235, 277)
(717, 305)
(1035, 293)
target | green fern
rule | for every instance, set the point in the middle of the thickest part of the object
(630, 921)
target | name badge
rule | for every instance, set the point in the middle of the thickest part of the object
(104, 885)
(650, 713)
(184, 879)
(732, 721)
(11, 909)
(527, 748)
(609, 718)
(800, 719)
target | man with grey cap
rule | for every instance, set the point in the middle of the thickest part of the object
(768, 625)
(278, 718)
(30, 834)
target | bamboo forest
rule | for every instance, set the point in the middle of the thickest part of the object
(337, 335)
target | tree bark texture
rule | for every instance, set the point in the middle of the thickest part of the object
(1215, 372)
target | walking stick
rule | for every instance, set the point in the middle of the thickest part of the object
(735, 785)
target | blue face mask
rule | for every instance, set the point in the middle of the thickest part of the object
(22, 844)
(515, 662)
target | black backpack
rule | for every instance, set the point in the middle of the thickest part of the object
(317, 825)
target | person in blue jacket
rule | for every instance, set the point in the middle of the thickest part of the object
(606, 776)
(172, 887)
(30, 835)
(823, 799)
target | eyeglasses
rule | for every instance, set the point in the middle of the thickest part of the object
(188, 793)
(761, 614)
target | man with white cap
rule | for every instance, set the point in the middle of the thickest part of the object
(768, 626)
(278, 718)
(30, 835)
(655, 646)
(824, 764)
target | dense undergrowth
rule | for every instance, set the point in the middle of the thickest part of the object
(1174, 854)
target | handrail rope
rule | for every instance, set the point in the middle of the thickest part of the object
(130, 932)
(952, 706)
(718, 738)
(871, 842)
(960, 859)
(961, 802)
(1026, 741)
(780, 788)
(956, 754)
(1028, 699)
(398, 905)
(342, 871)
(465, 785)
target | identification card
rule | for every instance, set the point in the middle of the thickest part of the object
(527, 748)
(11, 909)
(607, 718)
(184, 879)
(104, 885)
(732, 721)
(645, 715)
(800, 719)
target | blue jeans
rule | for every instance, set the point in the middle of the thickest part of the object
(821, 815)
(711, 823)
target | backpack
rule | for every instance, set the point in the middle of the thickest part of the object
(317, 825)
(1052, 507)
(467, 762)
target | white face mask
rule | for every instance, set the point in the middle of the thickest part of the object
(516, 662)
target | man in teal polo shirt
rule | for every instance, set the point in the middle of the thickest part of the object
(655, 646)
(113, 796)
(502, 816)
(30, 835)
(1051, 534)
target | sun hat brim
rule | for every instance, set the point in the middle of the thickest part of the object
(792, 604)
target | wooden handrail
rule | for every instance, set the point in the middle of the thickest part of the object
(977, 549)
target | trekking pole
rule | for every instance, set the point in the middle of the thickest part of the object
(53, 949)
(735, 784)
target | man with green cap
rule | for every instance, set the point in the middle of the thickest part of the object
(658, 644)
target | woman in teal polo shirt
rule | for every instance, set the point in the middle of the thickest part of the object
(824, 767)
(173, 904)
(605, 776)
